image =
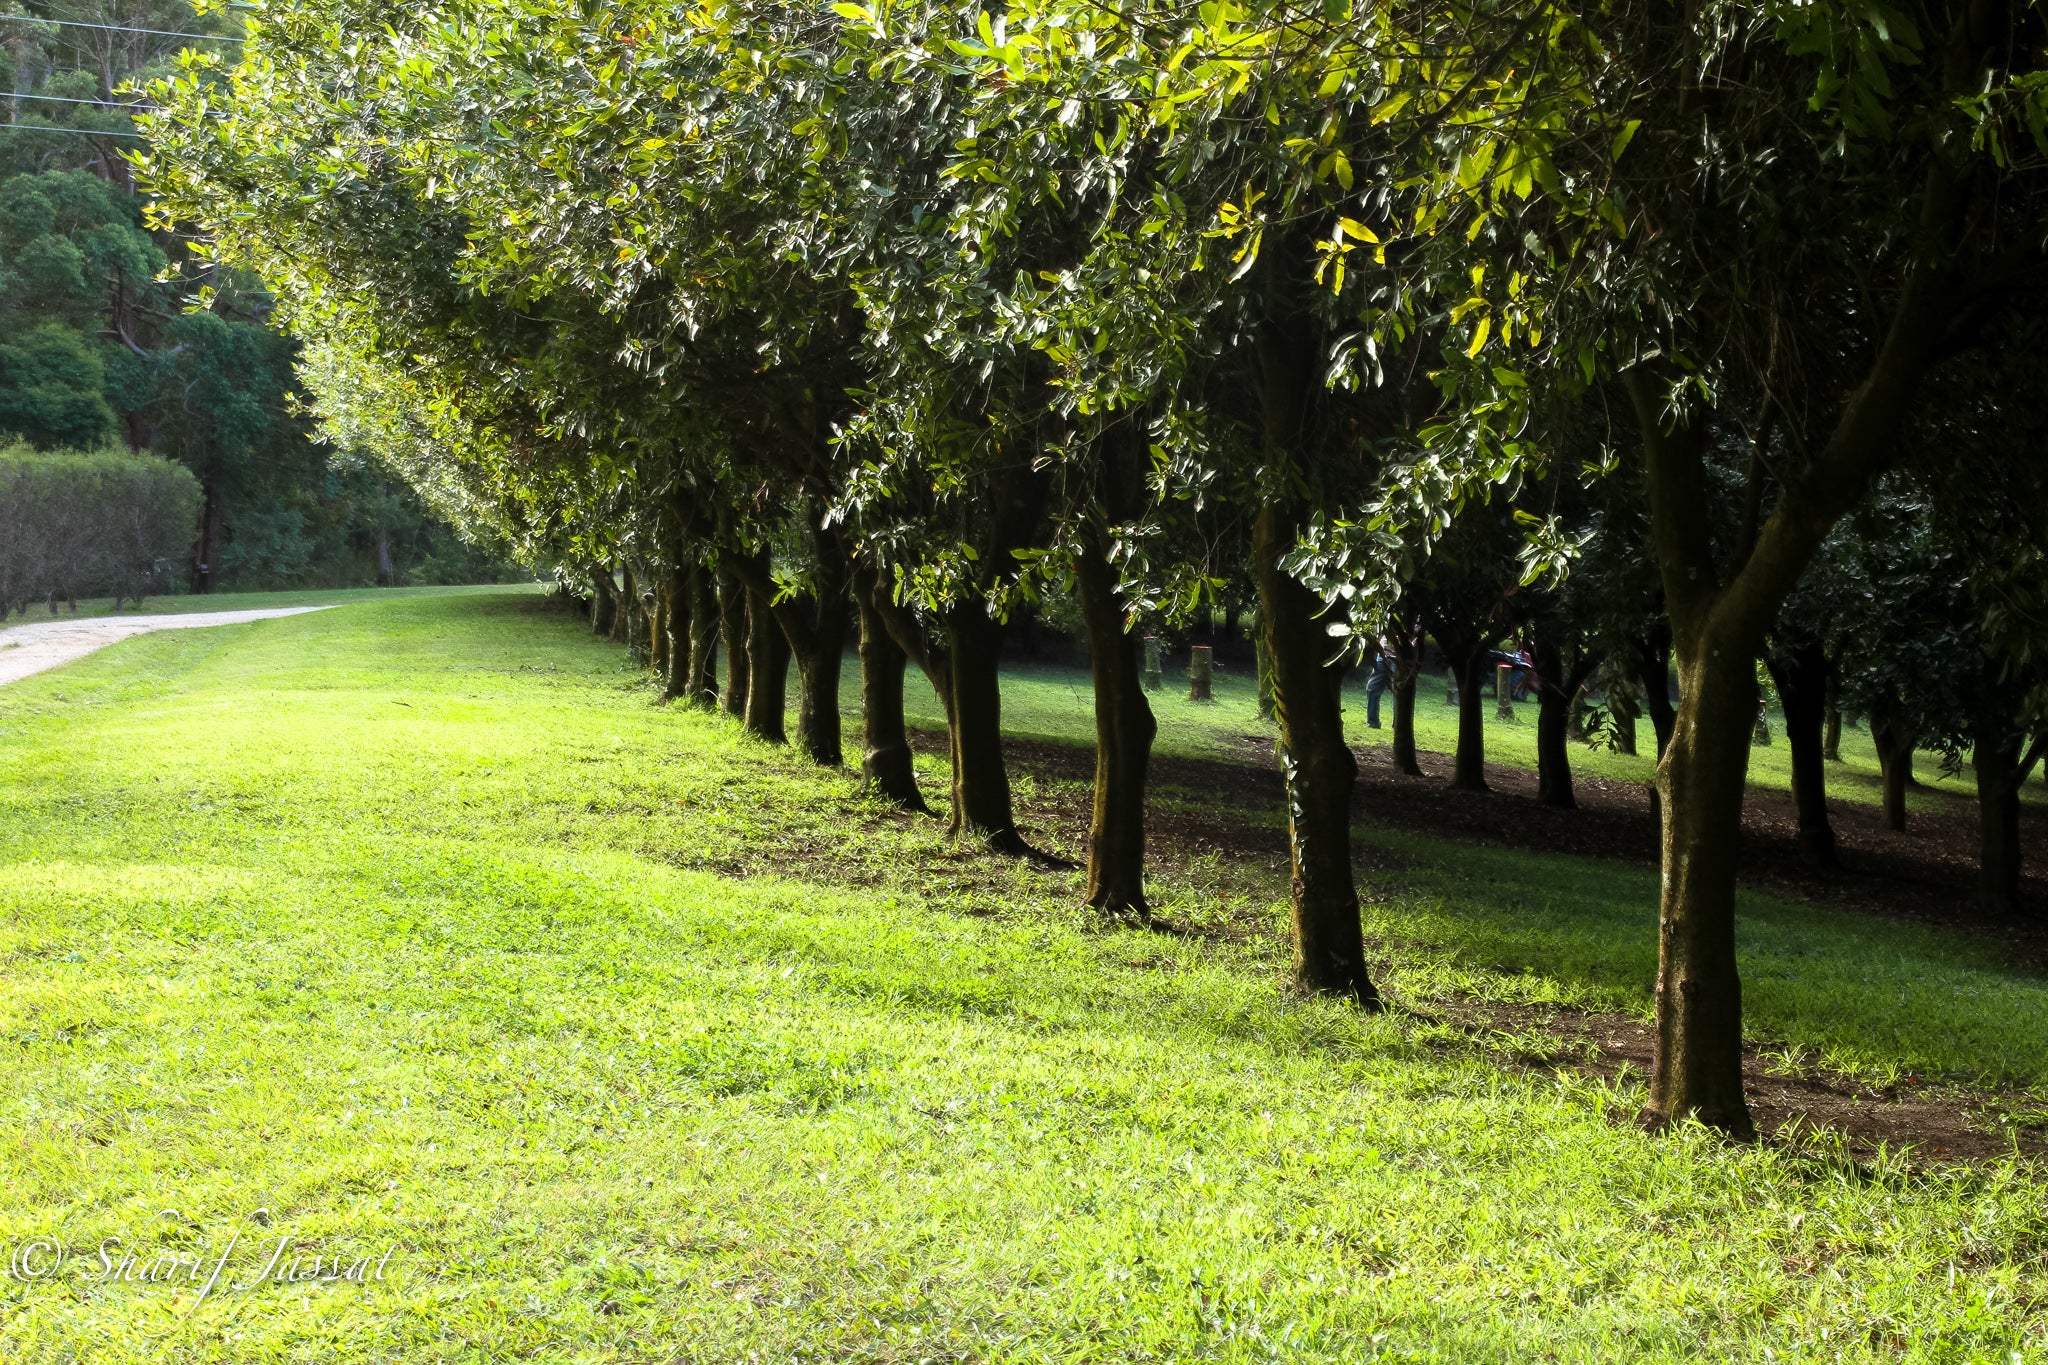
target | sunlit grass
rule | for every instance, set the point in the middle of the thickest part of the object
(180, 603)
(393, 921)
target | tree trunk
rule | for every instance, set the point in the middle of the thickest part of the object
(981, 781)
(1719, 616)
(814, 627)
(700, 684)
(732, 632)
(886, 761)
(206, 551)
(1315, 761)
(1895, 737)
(1468, 767)
(1624, 708)
(604, 600)
(1407, 669)
(1559, 690)
(1700, 778)
(645, 606)
(1264, 663)
(767, 667)
(1996, 758)
(1800, 674)
(624, 607)
(1124, 729)
(658, 628)
(1654, 671)
(1329, 939)
(672, 655)
(818, 669)
(820, 640)
(1831, 733)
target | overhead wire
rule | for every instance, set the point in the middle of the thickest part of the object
(76, 132)
(104, 104)
(66, 99)
(117, 28)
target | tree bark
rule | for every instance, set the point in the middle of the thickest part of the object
(1316, 763)
(1559, 690)
(1997, 759)
(1700, 779)
(1800, 674)
(814, 625)
(665, 603)
(767, 661)
(672, 653)
(886, 761)
(604, 600)
(981, 781)
(732, 631)
(1831, 734)
(819, 666)
(1264, 663)
(1124, 729)
(700, 686)
(624, 608)
(1468, 765)
(1895, 737)
(965, 676)
(1718, 621)
(1407, 670)
(1320, 772)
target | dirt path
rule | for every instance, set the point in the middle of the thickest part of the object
(28, 650)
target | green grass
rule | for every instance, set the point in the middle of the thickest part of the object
(181, 603)
(1049, 702)
(395, 922)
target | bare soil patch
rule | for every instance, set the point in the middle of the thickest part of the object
(1936, 1121)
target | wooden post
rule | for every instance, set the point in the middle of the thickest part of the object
(1154, 680)
(1201, 663)
(1504, 692)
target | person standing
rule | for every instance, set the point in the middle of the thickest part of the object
(1380, 682)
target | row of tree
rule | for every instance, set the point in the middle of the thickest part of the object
(75, 523)
(921, 312)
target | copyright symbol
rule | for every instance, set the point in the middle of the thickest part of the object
(39, 1258)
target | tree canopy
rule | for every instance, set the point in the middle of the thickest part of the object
(1372, 314)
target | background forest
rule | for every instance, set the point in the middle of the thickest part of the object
(99, 344)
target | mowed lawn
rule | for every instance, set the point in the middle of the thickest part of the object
(389, 934)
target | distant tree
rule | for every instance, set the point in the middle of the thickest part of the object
(78, 523)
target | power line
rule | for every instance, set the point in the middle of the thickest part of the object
(66, 99)
(76, 132)
(116, 28)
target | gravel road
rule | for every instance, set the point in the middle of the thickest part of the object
(28, 650)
